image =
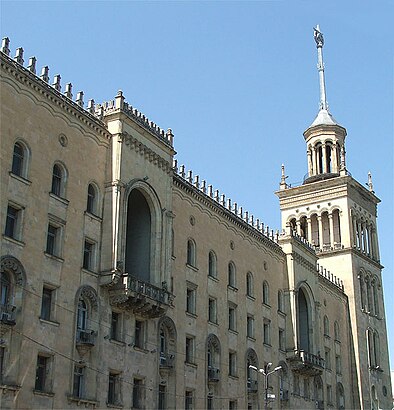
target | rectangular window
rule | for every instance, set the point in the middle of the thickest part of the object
(338, 365)
(232, 318)
(212, 314)
(327, 358)
(88, 255)
(53, 240)
(250, 326)
(266, 332)
(191, 299)
(114, 388)
(12, 225)
(162, 397)
(210, 402)
(189, 349)
(296, 384)
(46, 303)
(2, 351)
(42, 374)
(232, 405)
(306, 388)
(79, 381)
(139, 334)
(188, 400)
(232, 363)
(329, 394)
(116, 326)
(138, 390)
(282, 340)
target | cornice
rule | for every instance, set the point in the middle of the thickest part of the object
(30, 80)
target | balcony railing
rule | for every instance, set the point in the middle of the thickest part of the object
(155, 293)
(86, 337)
(7, 314)
(306, 363)
(213, 374)
(167, 360)
(252, 386)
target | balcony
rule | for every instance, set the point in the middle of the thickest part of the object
(213, 374)
(252, 386)
(167, 360)
(306, 363)
(284, 395)
(7, 318)
(142, 298)
(85, 340)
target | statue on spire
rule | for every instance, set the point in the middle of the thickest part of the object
(318, 35)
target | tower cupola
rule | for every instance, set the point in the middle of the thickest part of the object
(325, 138)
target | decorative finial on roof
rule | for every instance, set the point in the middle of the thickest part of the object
(32, 65)
(19, 55)
(283, 178)
(369, 183)
(5, 46)
(318, 36)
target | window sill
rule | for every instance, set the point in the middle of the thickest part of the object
(115, 406)
(233, 288)
(233, 331)
(193, 268)
(267, 344)
(266, 305)
(54, 257)
(20, 178)
(281, 313)
(191, 314)
(89, 272)
(190, 364)
(64, 201)
(93, 216)
(43, 393)
(327, 336)
(213, 323)
(11, 387)
(214, 278)
(83, 401)
(14, 240)
(253, 339)
(140, 349)
(49, 322)
(117, 342)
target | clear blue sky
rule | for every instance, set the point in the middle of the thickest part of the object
(237, 83)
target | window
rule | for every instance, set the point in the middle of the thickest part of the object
(232, 405)
(138, 393)
(191, 253)
(116, 326)
(373, 348)
(212, 313)
(212, 265)
(79, 381)
(266, 296)
(250, 326)
(91, 205)
(306, 388)
(18, 160)
(249, 284)
(139, 334)
(327, 358)
(2, 351)
(266, 332)
(296, 384)
(191, 298)
(329, 394)
(188, 400)
(46, 303)
(58, 180)
(326, 327)
(5, 283)
(232, 313)
(337, 333)
(89, 255)
(114, 388)
(210, 402)
(189, 357)
(53, 240)
(13, 222)
(231, 275)
(338, 365)
(232, 364)
(281, 304)
(282, 340)
(162, 402)
(42, 373)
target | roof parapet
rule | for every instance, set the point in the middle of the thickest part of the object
(323, 272)
(228, 204)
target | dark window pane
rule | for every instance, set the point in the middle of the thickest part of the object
(17, 159)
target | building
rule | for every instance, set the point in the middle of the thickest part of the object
(126, 282)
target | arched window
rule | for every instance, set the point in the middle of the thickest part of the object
(319, 158)
(326, 326)
(283, 382)
(281, 304)
(304, 228)
(337, 226)
(375, 285)
(213, 357)
(361, 281)
(5, 284)
(167, 341)
(374, 399)
(212, 268)
(266, 293)
(340, 396)
(303, 321)
(138, 237)
(19, 160)
(249, 284)
(82, 315)
(315, 230)
(326, 229)
(251, 360)
(231, 275)
(92, 200)
(318, 391)
(58, 180)
(293, 225)
(328, 157)
(369, 294)
(191, 252)
(337, 333)
(86, 318)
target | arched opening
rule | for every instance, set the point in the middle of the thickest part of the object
(251, 360)
(249, 284)
(315, 230)
(59, 174)
(191, 253)
(212, 270)
(82, 315)
(266, 295)
(328, 157)
(293, 225)
(326, 229)
(231, 275)
(337, 226)
(304, 227)
(18, 160)
(5, 283)
(213, 357)
(326, 326)
(303, 322)
(318, 391)
(281, 303)
(319, 158)
(138, 237)
(340, 396)
(92, 200)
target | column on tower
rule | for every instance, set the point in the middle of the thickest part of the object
(320, 224)
(310, 165)
(354, 224)
(314, 164)
(309, 230)
(324, 158)
(334, 158)
(331, 222)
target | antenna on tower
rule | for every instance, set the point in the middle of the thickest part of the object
(318, 36)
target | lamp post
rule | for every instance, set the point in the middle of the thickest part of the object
(266, 373)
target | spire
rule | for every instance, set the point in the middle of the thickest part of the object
(318, 35)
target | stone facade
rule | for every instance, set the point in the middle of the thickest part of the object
(127, 282)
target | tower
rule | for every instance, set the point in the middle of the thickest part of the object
(338, 217)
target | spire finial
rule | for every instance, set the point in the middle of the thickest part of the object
(283, 184)
(318, 36)
(370, 184)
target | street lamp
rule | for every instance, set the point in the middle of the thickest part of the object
(266, 373)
